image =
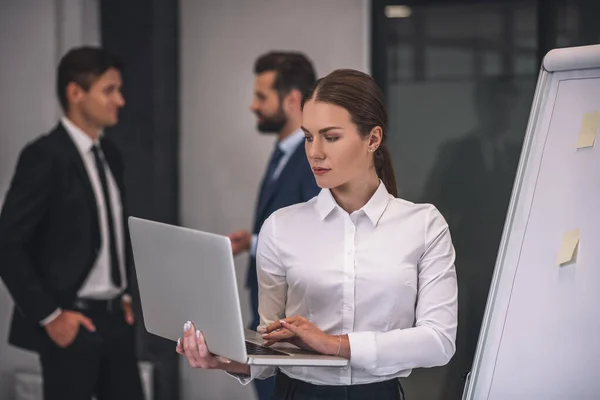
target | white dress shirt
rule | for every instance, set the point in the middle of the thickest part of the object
(287, 146)
(384, 275)
(98, 284)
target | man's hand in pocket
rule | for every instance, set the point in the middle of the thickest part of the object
(65, 327)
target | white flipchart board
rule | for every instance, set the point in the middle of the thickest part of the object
(540, 337)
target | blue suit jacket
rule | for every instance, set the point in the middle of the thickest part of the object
(295, 184)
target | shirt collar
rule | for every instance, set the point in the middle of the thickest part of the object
(83, 142)
(374, 208)
(289, 144)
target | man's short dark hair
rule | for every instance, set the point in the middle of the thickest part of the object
(294, 71)
(83, 65)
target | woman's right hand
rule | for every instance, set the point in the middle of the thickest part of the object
(193, 346)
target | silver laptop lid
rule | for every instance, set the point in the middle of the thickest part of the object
(184, 275)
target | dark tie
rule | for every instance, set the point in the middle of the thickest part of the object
(269, 178)
(115, 272)
(274, 163)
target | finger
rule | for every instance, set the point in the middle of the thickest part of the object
(273, 327)
(179, 347)
(128, 312)
(296, 320)
(261, 329)
(208, 359)
(202, 347)
(266, 330)
(290, 326)
(277, 324)
(278, 335)
(129, 317)
(87, 323)
(189, 337)
(127, 306)
(190, 346)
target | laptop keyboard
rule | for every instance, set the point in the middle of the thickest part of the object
(256, 350)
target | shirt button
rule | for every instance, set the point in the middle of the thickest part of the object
(347, 307)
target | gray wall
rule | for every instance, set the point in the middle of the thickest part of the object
(33, 35)
(222, 156)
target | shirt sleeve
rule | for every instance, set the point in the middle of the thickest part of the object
(55, 314)
(256, 372)
(431, 342)
(272, 290)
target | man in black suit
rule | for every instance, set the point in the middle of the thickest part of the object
(64, 242)
(281, 80)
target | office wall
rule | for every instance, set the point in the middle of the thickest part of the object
(33, 35)
(222, 155)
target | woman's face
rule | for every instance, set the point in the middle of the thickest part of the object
(337, 153)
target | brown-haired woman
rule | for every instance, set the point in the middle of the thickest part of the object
(355, 271)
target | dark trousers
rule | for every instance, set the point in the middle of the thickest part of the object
(101, 363)
(287, 388)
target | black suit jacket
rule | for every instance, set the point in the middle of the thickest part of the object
(49, 232)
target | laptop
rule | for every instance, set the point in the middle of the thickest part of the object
(188, 275)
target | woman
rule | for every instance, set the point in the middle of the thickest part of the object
(355, 271)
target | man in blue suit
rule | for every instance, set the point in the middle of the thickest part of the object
(281, 80)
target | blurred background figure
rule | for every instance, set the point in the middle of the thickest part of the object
(472, 182)
(64, 242)
(282, 78)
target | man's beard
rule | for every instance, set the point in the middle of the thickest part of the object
(272, 124)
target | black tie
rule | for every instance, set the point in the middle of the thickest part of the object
(115, 272)
(274, 163)
(269, 178)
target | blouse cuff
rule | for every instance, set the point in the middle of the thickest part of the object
(363, 350)
(256, 372)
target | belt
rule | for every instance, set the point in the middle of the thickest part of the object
(94, 305)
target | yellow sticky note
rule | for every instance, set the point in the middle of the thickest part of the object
(589, 127)
(568, 247)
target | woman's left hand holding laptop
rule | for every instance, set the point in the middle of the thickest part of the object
(194, 348)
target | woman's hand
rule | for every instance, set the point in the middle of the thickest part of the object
(193, 346)
(302, 333)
